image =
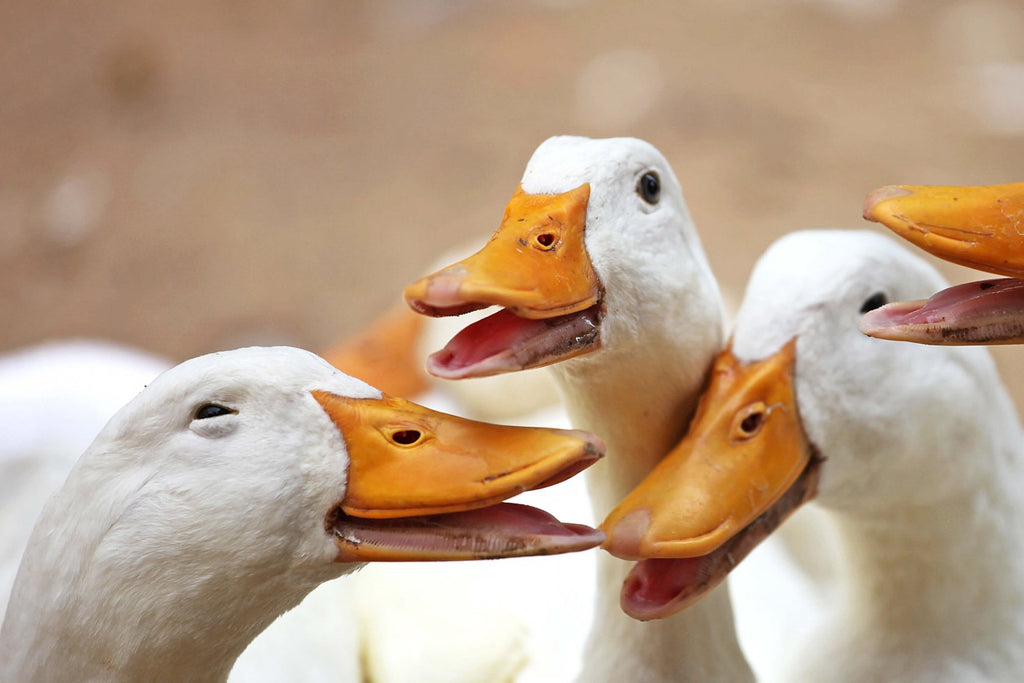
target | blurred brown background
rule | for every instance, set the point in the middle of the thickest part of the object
(193, 175)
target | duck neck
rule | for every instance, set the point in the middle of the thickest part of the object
(640, 402)
(698, 644)
(922, 574)
(639, 407)
(92, 602)
(91, 632)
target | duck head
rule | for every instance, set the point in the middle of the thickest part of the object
(237, 482)
(979, 227)
(594, 241)
(800, 406)
(274, 450)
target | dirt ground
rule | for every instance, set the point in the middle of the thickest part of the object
(192, 175)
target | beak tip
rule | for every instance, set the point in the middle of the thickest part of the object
(892, 320)
(413, 296)
(868, 324)
(876, 197)
(593, 446)
(626, 535)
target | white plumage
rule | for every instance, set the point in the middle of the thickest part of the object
(922, 472)
(660, 327)
(197, 516)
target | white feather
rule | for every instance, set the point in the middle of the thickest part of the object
(922, 476)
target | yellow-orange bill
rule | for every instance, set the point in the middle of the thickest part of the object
(419, 481)
(535, 264)
(744, 465)
(536, 267)
(975, 226)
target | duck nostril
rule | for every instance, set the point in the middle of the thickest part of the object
(406, 437)
(545, 239)
(751, 422)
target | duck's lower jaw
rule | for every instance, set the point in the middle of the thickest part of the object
(657, 588)
(987, 312)
(506, 342)
(502, 530)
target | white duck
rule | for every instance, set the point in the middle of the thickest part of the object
(236, 483)
(601, 272)
(916, 452)
(91, 379)
(976, 226)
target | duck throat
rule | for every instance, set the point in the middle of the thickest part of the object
(640, 399)
(640, 403)
(947, 572)
(106, 610)
(698, 644)
(130, 637)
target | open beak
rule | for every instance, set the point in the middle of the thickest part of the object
(424, 485)
(979, 227)
(742, 468)
(537, 268)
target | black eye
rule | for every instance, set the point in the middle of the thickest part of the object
(876, 300)
(208, 410)
(649, 187)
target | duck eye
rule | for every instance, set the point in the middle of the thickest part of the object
(876, 300)
(208, 410)
(649, 187)
(406, 437)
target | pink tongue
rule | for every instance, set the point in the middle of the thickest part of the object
(991, 311)
(503, 530)
(504, 342)
(654, 586)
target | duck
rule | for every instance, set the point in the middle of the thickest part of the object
(237, 482)
(600, 274)
(977, 226)
(91, 378)
(915, 453)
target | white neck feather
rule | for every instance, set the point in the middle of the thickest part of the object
(640, 400)
(86, 608)
(916, 579)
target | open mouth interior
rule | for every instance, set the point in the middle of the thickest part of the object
(984, 312)
(660, 587)
(506, 342)
(502, 530)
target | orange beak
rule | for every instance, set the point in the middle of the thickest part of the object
(979, 227)
(744, 466)
(535, 264)
(406, 461)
